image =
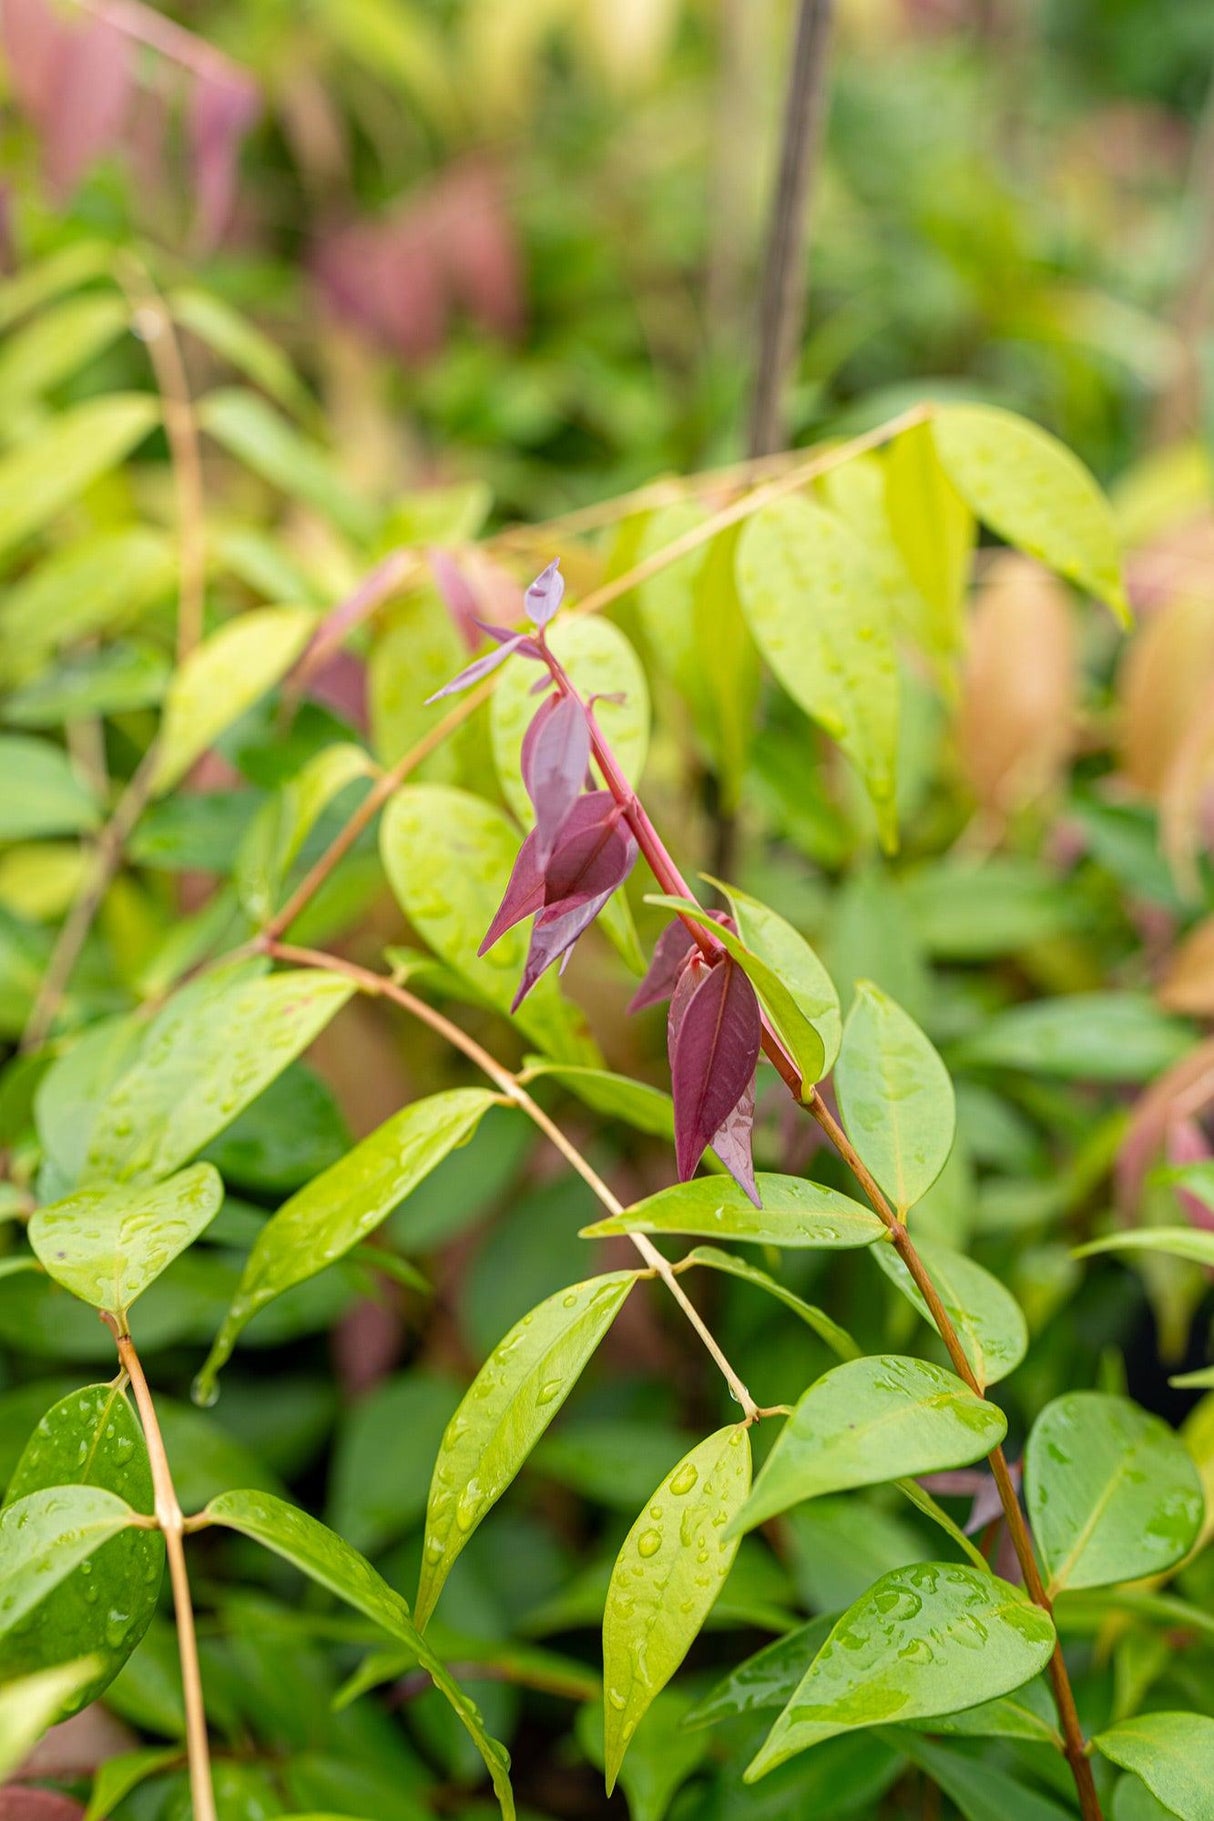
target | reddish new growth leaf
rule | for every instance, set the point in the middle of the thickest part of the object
(670, 953)
(546, 593)
(593, 855)
(713, 1037)
(556, 756)
(507, 642)
(223, 106)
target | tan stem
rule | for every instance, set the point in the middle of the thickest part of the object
(170, 1521)
(512, 1088)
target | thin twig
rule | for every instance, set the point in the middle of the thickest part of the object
(170, 1521)
(378, 985)
(782, 302)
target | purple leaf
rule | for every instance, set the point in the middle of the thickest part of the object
(545, 593)
(594, 854)
(472, 673)
(714, 1047)
(670, 953)
(524, 894)
(457, 593)
(92, 88)
(556, 754)
(223, 107)
(731, 1142)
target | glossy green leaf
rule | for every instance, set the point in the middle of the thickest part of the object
(895, 1097)
(987, 1317)
(786, 951)
(216, 1044)
(42, 794)
(325, 1558)
(836, 1338)
(508, 1406)
(793, 1023)
(230, 334)
(221, 679)
(814, 607)
(1112, 1492)
(1193, 1243)
(99, 583)
(45, 1536)
(30, 1704)
(1082, 1037)
(767, 1679)
(601, 663)
(104, 1606)
(934, 531)
(56, 344)
(107, 1245)
(1173, 1753)
(1034, 493)
(448, 856)
(794, 1213)
(1028, 1713)
(669, 1571)
(339, 1208)
(869, 1421)
(663, 1754)
(636, 1103)
(923, 1640)
(251, 430)
(45, 474)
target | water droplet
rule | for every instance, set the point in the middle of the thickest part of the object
(552, 1389)
(685, 1478)
(205, 1391)
(649, 1542)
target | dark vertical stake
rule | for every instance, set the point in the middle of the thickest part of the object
(782, 300)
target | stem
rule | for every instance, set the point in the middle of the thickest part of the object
(378, 986)
(170, 1521)
(782, 305)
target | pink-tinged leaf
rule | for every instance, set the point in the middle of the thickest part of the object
(479, 248)
(670, 953)
(472, 673)
(714, 1052)
(93, 82)
(594, 854)
(223, 106)
(731, 1142)
(1182, 1092)
(458, 595)
(524, 895)
(545, 593)
(973, 1483)
(1187, 1143)
(33, 38)
(559, 925)
(556, 754)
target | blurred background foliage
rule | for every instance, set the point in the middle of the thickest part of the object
(439, 267)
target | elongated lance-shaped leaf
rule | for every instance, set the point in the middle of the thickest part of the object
(341, 1206)
(989, 1321)
(794, 1213)
(104, 1606)
(768, 1678)
(1193, 1243)
(1025, 485)
(836, 1338)
(928, 1639)
(29, 1705)
(668, 1574)
(49, 470)
(508, 1406)
(214, 1047)
(1173, 1754)
(107, 1245)
(895, 1097)
(714, 1036)
(869, 1421)
(47, 1534)
(1112, 1493)
(555, 759)
(791, 1019)
(327, 1559)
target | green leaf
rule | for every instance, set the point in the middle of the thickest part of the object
(788, 954)
(235, 339)
(54, 467)
(99, 583)
(813, 604)
(869, 1421)
(325, 1558)
(794, 1213)
(337, 1210)
(1112, 1492)
(57, 344)
(118, 1776)
(114, 680)
(1035, 494)
(836, 1338)
(45, 1536)
(221, 679)
(645, 1108)
(662, 1757)
(29, 1705)
(1193, 1243)
(413, 653)
(801, 1038)
(895, 1097)
(107, 1245)
(934, 531)
(1029, 1713)
(1082, 1037)
(669, 1571)
(988, 1319)
(600, 662)
(211, 1050)
(923, 1640)
(767, 1679)
(666, 603)
(256, 435)
(104, 1606)
(508, 1406)
(1173, 1753)
(42, 794)
(283, 823)
(448, 856)
(981, 1790)
(69, 266)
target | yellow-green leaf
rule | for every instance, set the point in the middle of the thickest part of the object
(107, 1245)
(47, 473)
